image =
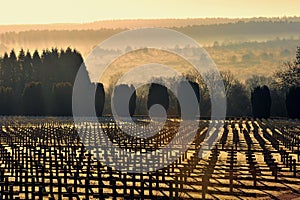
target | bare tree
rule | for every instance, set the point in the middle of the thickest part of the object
(228, 80)
(258, 80)
(289, 75)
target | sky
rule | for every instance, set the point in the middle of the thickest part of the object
(81, 11)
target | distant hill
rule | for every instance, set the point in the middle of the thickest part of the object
(138, 23)
(243, 46)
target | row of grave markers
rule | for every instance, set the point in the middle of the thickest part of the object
(48, 161)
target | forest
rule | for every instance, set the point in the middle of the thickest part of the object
(41, 85)
(33, 84)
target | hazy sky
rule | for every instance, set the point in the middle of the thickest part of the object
(61, 11)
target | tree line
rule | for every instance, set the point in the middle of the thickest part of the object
(41, 84)
(38, 84)
(253, 29)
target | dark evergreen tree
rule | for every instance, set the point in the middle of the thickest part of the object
(182, 88)
(62, 93)
(12, 55)
(33, 100)
(19, 75)
(27, 68)
(6, 71)
(158, 94)
(122, 95)
(14, 68)
(293, 102)
(261, 102)
(6, 99)
(36, 66)
(278, 107)
(69, 63)
(99, 99)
